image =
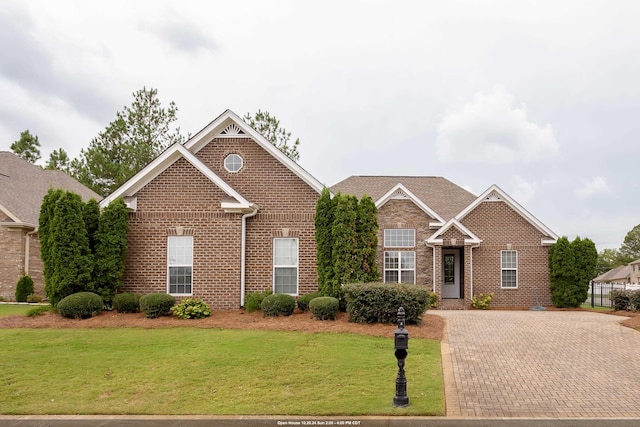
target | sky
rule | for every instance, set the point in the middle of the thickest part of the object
(541, 98)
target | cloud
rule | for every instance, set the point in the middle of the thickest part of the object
(597, 185)
(523, 190)
(181, 34)
(492, 129)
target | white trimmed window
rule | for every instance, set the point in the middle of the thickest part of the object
(285, 266)
(233, 163)
(400, 267)
(399, 238)
(509, 268)
(179, 265)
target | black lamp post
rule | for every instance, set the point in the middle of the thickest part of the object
(401, 344)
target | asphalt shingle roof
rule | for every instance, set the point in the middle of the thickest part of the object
(24, 185)
(440, 194)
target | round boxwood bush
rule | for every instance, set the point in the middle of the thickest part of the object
(304, 300)
(81, 305)
(24, 288)
(253, 300)
(278, 305)
(191, 308)
(156, 305)
(325, 308)
(126, 303)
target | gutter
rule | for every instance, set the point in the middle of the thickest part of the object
(243, 251)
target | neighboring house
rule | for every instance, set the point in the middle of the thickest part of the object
(624, 274)
(227, 213)
(634, 274)
(224, 214)
(435, 233)
(22, 188)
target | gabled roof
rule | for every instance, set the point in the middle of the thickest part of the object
(400, 191)
(437, 193)
(454, 223)
(168, 158)
(229, 124)
(496, 194)
(23, 186)
(622, 273)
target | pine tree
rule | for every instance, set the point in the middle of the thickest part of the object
(27, 147)
(269, 127)
(324, 243)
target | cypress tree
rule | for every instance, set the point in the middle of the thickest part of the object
(110, 250)
(91, 216)
(324, 242)
(367, 229)
(44, 233)
(585, 258)
(345, 243)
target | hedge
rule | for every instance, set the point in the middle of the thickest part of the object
(379, 302)
(278, 304)
(304, 300)
(81, 305)
(126, 303)
(324, 308)
(625, 300)
(253, 300)
(156, 305)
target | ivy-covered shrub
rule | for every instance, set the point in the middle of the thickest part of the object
(81, 305)
(379, 302)
(253, 300)
(191, 308)
(304, 300)
(126, 303)
(278, 305)
(156, 305)
(24, 288)
(482, 301)
(324, 308)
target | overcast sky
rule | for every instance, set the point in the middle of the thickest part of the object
(541, 98)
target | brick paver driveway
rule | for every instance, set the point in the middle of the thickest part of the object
(540, 364)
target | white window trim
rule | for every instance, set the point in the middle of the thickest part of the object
(502, 268)
(399, 269)
(179, 265)
(241, 163)
(296, 266)
(386, 245)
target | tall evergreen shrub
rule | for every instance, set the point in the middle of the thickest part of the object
(44, 233)
(571, 266)
(367, 230)
(324, 242)
(24, 288)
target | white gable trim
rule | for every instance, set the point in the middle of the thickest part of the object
(233, 126)
(9, 214)
(496, 194)
(436, 240)
(160, 164)
(392, 194)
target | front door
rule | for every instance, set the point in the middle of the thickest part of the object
(450, 273)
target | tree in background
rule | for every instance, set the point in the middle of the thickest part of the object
(129, 143)
(367, 229)
(571, 266)
(631, 246)
(609, 259)
(27, 147)
(59, 160)
(110, 250)
(269, 127)
(324, 243)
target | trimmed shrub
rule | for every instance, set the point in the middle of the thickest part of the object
(253, 300)
(324, 308)
(24, 288)
(191, 308)
(80, 305)
(625, 300)
(278, 304)
(482, 301)
(34, 298)
(634, 300)
(379, 302)
(304, 300)
(39, 310)
(156, 305)
(126, 303)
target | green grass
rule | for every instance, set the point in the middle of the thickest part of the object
(209, 371)
(14, 309)
(596, 308)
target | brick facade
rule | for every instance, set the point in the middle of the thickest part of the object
(12, 261)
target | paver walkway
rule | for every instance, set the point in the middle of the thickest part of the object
(540, 364)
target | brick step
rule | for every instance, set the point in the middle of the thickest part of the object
(452, 304)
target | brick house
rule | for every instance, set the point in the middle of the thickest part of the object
(227, 213)
(22, 188)
(435, 233)
(224, 214)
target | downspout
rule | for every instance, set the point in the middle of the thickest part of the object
(27, 251)
(433, 275)
(243, 251)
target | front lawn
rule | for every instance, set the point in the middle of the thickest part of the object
(211, 371)
(14, 309)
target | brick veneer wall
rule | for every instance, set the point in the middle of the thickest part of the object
(397, 213)
(12, 257)
(182, 197)
(498, 225)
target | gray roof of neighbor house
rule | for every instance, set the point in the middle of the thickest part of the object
(617, 273)
(24, 185)
(443, 196)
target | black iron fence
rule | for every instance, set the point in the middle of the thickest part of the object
(599, 293)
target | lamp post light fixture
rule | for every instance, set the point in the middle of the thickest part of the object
(401, 345)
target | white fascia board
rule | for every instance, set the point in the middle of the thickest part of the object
(160, 164)
(8, 213)
(514, 205)
(18, 225)
(472, 240)
(212, 130)
(426, 209)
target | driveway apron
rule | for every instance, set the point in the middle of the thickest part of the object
(540, 364)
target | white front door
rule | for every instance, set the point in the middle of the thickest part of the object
(450, 273)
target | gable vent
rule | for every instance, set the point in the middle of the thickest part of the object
(232, 129)
(399, 195)
(493, 197)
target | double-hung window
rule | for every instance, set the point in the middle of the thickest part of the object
(180, 264)
(509, 269)
(399, 265)
(285, 266)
